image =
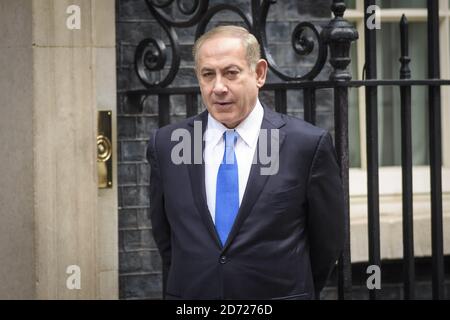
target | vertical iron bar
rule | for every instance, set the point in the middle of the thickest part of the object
(435, 150)
(191, 104)
(309, 103)
(281, 101)
(372, 147)
(341, 145)
(407, 180)
(338, 35)
(163, 109)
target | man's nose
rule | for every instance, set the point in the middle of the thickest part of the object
(219, 86)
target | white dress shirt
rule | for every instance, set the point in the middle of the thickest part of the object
(248, 133)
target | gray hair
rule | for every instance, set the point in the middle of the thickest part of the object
(251, 45)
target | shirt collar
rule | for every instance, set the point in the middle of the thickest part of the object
(248, 129)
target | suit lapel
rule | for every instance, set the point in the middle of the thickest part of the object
(256, 181)
(197, 177)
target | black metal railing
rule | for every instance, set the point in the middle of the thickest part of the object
(336, 38)
(407, 182)
(434, 93)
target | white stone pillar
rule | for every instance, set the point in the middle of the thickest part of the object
(53, 82)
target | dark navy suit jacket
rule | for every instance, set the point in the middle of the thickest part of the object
(287, 235)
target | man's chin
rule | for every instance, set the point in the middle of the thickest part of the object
(226, 119)
(223, 108)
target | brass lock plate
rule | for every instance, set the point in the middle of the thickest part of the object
(104, 149)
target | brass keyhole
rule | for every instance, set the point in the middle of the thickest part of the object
(104, 148)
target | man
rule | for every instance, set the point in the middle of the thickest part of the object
(226, 230)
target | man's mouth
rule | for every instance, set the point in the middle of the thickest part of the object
(223, 103)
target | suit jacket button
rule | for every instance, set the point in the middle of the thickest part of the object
(223, 259)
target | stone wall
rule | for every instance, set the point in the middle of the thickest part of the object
(53, 81)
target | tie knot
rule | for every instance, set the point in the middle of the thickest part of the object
(230, 142)
(230, 138)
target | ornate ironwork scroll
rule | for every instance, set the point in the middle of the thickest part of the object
(151, 53)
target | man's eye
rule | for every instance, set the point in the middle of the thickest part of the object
(207, 74)
(232, 73)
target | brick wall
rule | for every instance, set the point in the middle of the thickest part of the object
(139, 261)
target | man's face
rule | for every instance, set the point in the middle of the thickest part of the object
(228, 85)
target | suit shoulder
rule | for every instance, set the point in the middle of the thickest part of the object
(305, 138)
(183, 124)
(167, 130)
(301, 128)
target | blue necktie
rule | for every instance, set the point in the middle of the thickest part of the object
(227, 188)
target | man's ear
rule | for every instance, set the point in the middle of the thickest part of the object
(261, 72)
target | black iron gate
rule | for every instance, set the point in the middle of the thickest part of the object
(331, 44)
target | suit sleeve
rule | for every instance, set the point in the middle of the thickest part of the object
(160, 225)
(325, 212)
